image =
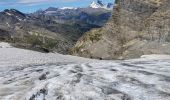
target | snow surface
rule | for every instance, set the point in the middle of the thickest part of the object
(30, 75)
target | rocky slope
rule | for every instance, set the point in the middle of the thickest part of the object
(29, 32)
(137, 27)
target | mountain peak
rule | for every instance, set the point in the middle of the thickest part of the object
(100, 4)
(13, 12)
(94, 5)
(51, 9)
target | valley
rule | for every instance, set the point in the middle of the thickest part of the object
(50, 30)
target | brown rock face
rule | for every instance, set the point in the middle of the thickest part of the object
(137, 27)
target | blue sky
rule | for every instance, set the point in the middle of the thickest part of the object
(28, 6)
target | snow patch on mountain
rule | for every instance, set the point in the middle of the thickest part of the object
(50, 12)
(8, 13)
(63, 8)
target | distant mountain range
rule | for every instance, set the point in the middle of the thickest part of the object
(94, 4)
(53, 29)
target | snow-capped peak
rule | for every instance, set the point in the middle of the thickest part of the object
(99, 4)
(94, 5)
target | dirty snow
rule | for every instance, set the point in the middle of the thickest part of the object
(30, 75)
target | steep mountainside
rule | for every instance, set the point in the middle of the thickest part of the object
(27, 32)
(50, 30)
(137, 27)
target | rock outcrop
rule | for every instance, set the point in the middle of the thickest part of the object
(137, 27)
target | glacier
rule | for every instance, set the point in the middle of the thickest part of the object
(31, 75)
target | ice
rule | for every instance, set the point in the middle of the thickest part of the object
(31, 75)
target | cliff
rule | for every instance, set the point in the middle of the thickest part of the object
(137, 27)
